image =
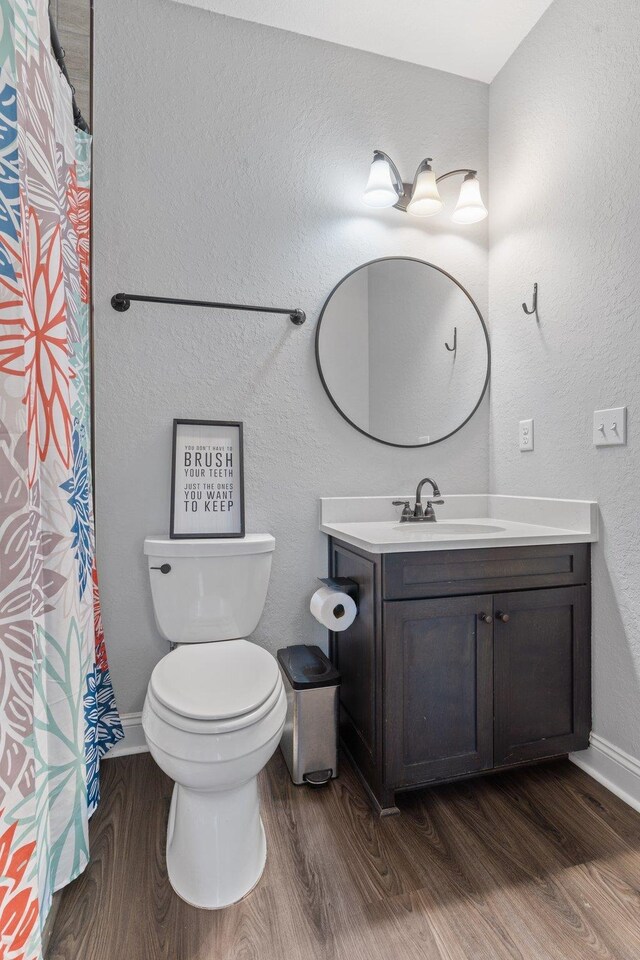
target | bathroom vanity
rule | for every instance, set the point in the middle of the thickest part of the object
(471, 651)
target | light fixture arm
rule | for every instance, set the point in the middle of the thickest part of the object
(456, 173)
(423, 165)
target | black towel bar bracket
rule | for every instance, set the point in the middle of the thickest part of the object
(122, 302)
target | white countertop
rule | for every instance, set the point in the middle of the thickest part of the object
(463, 522)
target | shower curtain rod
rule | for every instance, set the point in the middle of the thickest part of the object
(58, 53)
(122, 302)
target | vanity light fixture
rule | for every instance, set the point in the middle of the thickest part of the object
(385, 188)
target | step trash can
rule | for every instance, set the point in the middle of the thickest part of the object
(310, 739)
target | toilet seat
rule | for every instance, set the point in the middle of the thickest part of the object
(213, 727)
(216, 687)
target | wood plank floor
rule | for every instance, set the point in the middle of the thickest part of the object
(538, 864)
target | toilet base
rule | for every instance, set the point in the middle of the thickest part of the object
(216, 845)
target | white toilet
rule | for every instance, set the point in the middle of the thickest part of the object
(214, 711)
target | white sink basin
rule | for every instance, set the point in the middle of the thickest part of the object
(456, 528)
(465, 521)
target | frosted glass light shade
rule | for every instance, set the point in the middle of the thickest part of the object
(381, 189)
(425, 200)
(469, 208)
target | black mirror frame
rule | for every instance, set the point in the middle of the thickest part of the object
(389, 443)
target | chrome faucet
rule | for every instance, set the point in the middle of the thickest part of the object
(420, 514)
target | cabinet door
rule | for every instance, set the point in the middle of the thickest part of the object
(542, 685)
(439, 689)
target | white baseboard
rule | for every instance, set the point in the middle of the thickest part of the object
(616, 770)
(134, 739)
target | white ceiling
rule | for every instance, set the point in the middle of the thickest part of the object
(473, 38)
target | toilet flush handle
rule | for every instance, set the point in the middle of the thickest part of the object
(165, 568)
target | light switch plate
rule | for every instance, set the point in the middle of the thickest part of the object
(526, 435)
(610, 427)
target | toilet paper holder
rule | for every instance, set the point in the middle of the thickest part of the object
(348, 586)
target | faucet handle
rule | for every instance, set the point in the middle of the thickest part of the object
(438, 503)
(406, 509)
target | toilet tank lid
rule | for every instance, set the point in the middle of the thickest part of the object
(216, 547)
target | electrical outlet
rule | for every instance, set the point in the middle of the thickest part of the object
(526, 435)
(610, 427)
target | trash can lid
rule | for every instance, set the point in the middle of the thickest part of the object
(307, 667)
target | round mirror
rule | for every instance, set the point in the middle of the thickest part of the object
(403, 352)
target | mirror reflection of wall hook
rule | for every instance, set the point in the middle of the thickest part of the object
(534, 308)
(455, 341)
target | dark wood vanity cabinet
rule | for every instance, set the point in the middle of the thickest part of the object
(462, 661)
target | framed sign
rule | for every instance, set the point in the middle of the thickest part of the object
(207, 484)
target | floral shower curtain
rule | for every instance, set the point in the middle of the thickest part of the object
(57, 712)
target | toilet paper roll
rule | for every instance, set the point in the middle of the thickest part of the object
(333, 608)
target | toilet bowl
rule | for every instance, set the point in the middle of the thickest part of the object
(214, 711)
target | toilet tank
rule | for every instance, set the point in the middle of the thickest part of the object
(204, 590)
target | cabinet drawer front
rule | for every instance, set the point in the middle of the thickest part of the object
(445, 573)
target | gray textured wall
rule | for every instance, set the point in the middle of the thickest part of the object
(565, 212)
(230, 160)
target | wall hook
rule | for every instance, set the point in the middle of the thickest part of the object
(534, 308)
(455, 341)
